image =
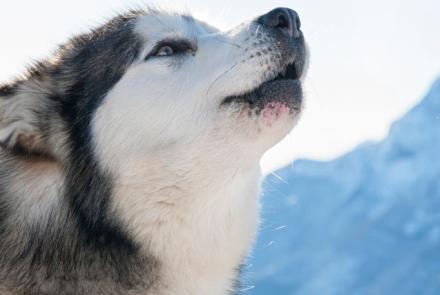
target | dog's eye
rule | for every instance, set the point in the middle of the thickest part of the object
(171, 47)
(165, 51)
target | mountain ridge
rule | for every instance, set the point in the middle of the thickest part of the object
(364, 223)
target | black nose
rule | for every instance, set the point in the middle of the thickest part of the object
(284, 19)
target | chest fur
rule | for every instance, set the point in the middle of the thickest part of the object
(200, 231)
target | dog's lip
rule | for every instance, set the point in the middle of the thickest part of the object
(292, 71)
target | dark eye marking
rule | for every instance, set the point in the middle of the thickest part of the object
(172, 47)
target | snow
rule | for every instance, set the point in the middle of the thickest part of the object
(365, 223)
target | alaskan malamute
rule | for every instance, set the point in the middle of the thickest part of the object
(130, 159)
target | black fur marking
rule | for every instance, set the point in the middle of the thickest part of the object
(83, 249)
(8, 90)
(81, 101)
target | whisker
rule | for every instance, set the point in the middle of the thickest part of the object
(226, 42)
(219, 77)
(217, 38)
(258, 28)
(279, 177)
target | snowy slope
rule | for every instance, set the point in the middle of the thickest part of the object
(366, 223)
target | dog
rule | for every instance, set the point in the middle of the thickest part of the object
(129, 160)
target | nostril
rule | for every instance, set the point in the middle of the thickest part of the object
(282, 18)
(283, 22)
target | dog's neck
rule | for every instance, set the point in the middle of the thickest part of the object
(199, 218)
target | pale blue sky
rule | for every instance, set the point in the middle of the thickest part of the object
(370, 60)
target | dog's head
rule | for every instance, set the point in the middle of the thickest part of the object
(148, 82)
(150, 128)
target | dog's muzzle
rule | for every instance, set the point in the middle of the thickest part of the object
(284, 27)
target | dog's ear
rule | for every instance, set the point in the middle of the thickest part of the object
(23, 120)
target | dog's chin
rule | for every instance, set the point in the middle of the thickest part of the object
(275, 102)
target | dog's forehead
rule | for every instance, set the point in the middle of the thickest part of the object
(160, 25)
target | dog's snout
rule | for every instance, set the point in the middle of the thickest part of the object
(284, 19)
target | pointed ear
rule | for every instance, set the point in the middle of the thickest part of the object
(23, 115)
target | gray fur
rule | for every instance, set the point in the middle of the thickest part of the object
(59, 233)
(79, 247)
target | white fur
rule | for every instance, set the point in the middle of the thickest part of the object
(187, 172)
(184, 168)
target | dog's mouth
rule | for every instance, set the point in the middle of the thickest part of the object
(285, 88)
(293, 71)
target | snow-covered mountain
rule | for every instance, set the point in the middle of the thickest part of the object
(366, 223)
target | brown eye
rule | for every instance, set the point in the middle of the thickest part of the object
(172, 48)
(165, 51)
